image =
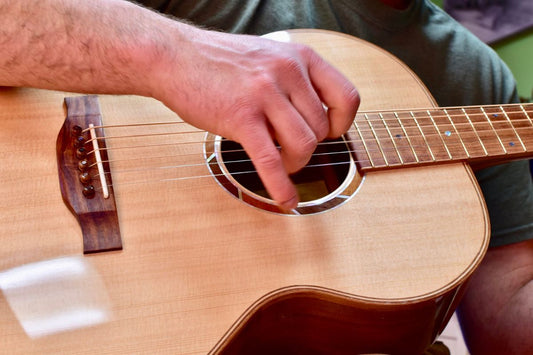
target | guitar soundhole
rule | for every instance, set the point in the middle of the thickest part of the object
(327, 181)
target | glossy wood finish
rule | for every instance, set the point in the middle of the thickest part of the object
(308, 321)
(202, 272)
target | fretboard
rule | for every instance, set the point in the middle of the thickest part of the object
(475, 134)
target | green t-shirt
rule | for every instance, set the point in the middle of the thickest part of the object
(457, 68)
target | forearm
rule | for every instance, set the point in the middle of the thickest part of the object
(245, 88)
(82, 46)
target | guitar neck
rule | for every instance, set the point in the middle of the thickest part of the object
(480, 135)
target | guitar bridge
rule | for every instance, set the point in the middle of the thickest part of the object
(85, 175)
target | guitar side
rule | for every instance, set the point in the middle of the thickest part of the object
(202, 272)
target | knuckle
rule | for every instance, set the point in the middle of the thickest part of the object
(322, 132)
(351, 96)
(262, 83)
(297, 156)
(321, 127)
(292, 64)
(267, 159)
(264, 80)
(312, 57)
(243, 110)
(305, 50)
(289, 62)
(345, 114)
(241, 120)
(308, 145)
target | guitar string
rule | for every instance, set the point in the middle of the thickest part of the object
(396, 150)
(448, 128)
(397, 159)
(384, 133)
(444, 129)
(216, 175)
(204, 163)
(407, 158)
(207, 178)
(387, 139)
(211, 175)
(521, 109)
(412, 113)
(196, 178)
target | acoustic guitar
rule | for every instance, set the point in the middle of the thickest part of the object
(138, 234)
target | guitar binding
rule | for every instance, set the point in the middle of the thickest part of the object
(328, 181)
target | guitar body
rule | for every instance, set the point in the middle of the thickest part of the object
(200, 271)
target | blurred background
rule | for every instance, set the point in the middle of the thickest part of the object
(506, 26)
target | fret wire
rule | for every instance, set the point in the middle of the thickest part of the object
(458, 134)
(476, 132)
(407, 136)
(391, 138)
(423, 136)
(451, 115)
(378, 130)
(364, 143)
(495, 132)
(449, 108)
(377, 140)
(527, 114)
(514, 129)
(440, 135)
(457, 124)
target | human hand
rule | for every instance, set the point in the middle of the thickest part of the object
(258, 92)
(245, 88)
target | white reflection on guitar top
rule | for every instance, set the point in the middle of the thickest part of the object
(56, 295)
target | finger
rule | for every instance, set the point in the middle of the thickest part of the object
(307, 102)
(269, 165)
(295, 136)
(336, 92)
